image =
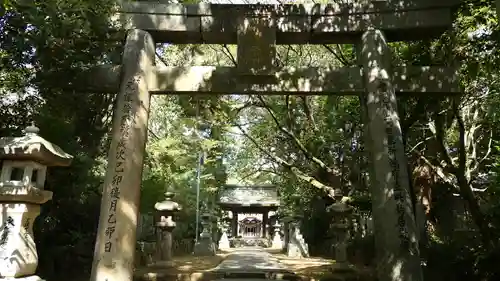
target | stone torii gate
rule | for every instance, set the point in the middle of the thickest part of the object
(369, 24)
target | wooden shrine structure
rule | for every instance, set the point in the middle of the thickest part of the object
(250, 207)
(257, 29)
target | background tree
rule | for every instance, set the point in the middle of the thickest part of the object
(307, 145)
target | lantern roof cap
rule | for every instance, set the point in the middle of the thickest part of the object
(168, 204)
(32, 147)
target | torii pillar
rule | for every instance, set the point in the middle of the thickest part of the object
(396, 238)
(116, 234)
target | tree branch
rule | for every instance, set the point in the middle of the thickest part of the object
(161, 58)
(438, 132)
(228, 53)
(339, 57)
(438, 170)
(464, 183)
(330, 191)
(276, 158)
(153, 134)
(299, 144)
(488, 152)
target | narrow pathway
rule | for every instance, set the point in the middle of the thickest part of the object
(253, 263)
(250, 259)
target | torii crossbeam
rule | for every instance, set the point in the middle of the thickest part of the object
(370, 24)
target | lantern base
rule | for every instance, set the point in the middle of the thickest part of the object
(277, 242)
(224, 242)
(26, 278)
(18, 254)
(204, 247)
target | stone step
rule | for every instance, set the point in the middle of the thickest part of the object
(261, 275)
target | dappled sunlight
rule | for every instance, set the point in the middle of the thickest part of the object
(330, 23)
(186, 264)
(192, 263)
(301, 264)
(257, 29)
(204, 80)
(295, 23)
(253, 263)
(116, 240)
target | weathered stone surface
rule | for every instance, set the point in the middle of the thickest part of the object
(116, 234)
(341, 227)
(165, 225)
(167, 207)
(395, 229)
(24, 163)
(145, 253)
(32, 147)
(338, 22)
(331, 8)
(24, 194)
(18, 255)
(205, 245)
(288, 80)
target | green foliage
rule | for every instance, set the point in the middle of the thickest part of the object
(40, 43)
(307, 146)
(173, 152)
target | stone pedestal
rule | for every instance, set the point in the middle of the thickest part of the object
(224, 240)
(165, 225)
(277, 242)
(18, 250)
(205, 245)
(342, 213)
(297, 247)
(341, 245)
(164, 248)
(145, 252)
(21, 194)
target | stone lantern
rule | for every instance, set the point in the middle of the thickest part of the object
(341, 214)
(24, 166)
(205, 245)
(165, 224)
(277, 243)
